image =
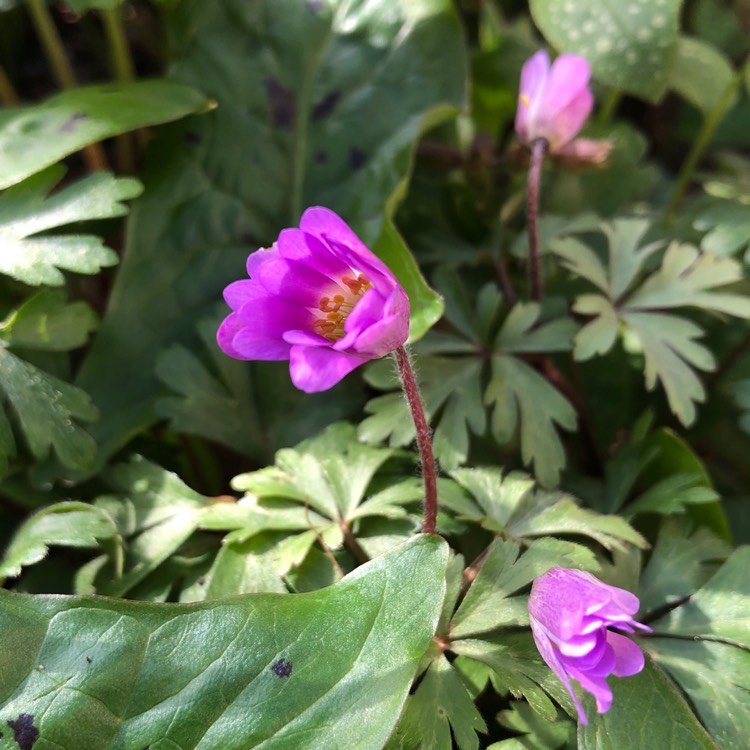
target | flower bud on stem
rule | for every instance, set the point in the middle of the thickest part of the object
(424, 442)
(538, 149)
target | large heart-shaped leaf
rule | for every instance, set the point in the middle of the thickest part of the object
(318, 103)
(328, 669)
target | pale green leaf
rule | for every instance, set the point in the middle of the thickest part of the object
(520, 394)
(26, 210)
(46, 321)
(670, 348)
(45, 408)
(599, 335)
(67, 524)
(520, 332)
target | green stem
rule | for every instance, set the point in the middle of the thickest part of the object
(8, 95)
(124, 71)
(61, 68)
(710, 123)
(424, 441)
(611, 103)
(538, 150)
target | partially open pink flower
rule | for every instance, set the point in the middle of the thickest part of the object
(571, 615)
(553, 102)
(319, 298)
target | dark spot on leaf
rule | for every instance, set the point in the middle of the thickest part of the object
(280, 104)
(325, 106)
(70, 124)
(202, 581)
(89, 659)
(315, 6)
(24, 732)
(321, 157)
(282, 668)
(356, 158)
(193, 138)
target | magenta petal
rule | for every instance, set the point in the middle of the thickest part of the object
(240, 292)
(533, 79)
(569, 120)
(303, 247)
(295, 282)
(597, 686)
(305, 338)
(259, 257)
(383, 337)
(315, 369)
(629, 657)
(549, 654)
(568, 78)
(226, 333)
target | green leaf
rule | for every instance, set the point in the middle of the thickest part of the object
(335, 665)
(518, 669)
(45, 408)
(25, 210)
(35, 137)
(451, 384)
(727, 227)
(155, 512)
(426, 306)
(647, 711)
(669, 347)
(440, 706)
(630, 48)
(716, 678)
(683, 559)
(686, 278)
(68, 524)
(720, 610)
(520, 394)
(488, 604)
(45, 321)
(701, 73)
(553, 513)
(294, 127)
(535, 732)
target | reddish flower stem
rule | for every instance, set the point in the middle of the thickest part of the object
(538, 150)
(424, 441)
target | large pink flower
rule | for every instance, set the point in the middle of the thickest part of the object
(571, 614)
(553, 102)
(319, 298)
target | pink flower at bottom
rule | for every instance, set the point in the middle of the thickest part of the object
(319, 298)
(571, 613)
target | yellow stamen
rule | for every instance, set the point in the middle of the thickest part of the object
(338, 307)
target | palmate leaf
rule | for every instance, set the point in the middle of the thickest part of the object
(685, 278)
(327, 669)
(68, 524)
(511, 506)
(26, 210)
(535, 732)
(440, 707)
(217, 397)
(294, 127)
(47, 322)
(454, 390)
(45, 408)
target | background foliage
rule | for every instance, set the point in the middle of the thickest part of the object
(261, 577)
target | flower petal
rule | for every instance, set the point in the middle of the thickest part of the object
(629, 657)
(549, 654)
(317, 368)
(531, 89)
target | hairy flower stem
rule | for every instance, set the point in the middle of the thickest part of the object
(424, 441)
(538, 150)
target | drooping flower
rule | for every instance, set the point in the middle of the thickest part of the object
(553, 102)
(319, 298)
(571, 614)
